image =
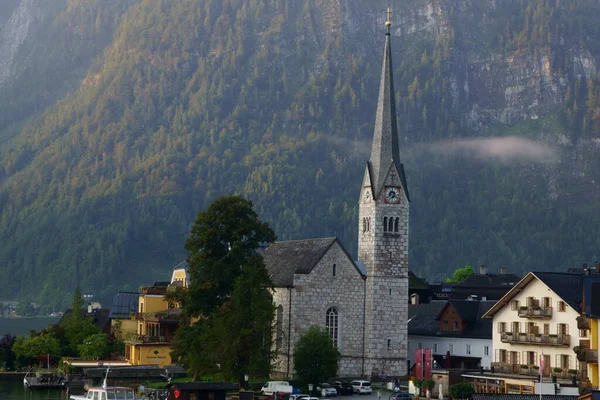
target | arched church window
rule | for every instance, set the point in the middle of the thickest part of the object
(332, 324)
(391, 225)
(396, 224)
(279, 334)
(364, 225)
(385, 224)
(368, 224)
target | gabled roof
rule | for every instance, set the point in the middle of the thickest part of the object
(123, 304)
(181, 265)
(414, 282)
(567, 286)
(284, 259)
(424, 319)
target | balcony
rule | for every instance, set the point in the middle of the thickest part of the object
(533, 370)
(535, 312)
(587, 355)
(539, 339)
(165, 316)
(138, 339)
(583, 322)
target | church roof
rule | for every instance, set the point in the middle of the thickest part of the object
(284, 259)
(385, 150)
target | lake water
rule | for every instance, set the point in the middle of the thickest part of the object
(22, 326)
(14, 390)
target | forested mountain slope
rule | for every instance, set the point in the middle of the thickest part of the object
(136, 117)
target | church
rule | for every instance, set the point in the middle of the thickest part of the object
(362, 303)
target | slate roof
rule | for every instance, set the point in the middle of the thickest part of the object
(567, 286)
(385, 150)
(492, 396)
(123, 304)
(489, 280)
(422, 318)
(284, 259)
(414, 282)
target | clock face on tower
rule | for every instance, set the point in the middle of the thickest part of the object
(392, 195)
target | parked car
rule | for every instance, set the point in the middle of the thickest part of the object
(362, 387)
(328, 390)
(343, 388)
(299, 396)
(401, 396)
(276, 387)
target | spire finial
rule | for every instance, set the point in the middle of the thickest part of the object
(388, 23)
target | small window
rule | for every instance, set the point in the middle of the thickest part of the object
(583, 333)
(391, 224)
(514, 305)
(445, 326)
(385, 224)
(435, 347)
(420, 345)
(389, 343)
(486, 350)
(390, 292)
(501, 327)
(334, 269)
(468, 349)
(562, 307)
(396, 224)
(455, 325)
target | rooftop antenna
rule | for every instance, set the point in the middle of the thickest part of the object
(105, 383)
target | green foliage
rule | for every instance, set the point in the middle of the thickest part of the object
(7, 355)
(37, 345)
(461, 391)
(94, 347)
(25, 309)
(428, 383)
(229, 291)
(315, 357)
(460, 274)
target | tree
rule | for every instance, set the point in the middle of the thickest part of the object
(35, 346)
(222, 240)
(461, 391)
(77, 326)
(25, 309)
(229, 290)
(461, 274)
(94, 346)
(7, 356)
(315, 356)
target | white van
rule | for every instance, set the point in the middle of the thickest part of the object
(276, 387)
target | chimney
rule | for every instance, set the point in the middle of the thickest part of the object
(598, 267)
(482, 270)
(502, 270)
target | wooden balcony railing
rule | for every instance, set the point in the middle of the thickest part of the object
(535, 312)
(583, 322)
(587, 355)
(533, 370)
(531, 338)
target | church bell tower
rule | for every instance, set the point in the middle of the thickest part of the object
(383, 237)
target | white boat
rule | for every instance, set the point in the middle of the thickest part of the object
(106, 393)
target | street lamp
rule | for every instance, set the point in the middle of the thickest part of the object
(310, 388)
(246, 377)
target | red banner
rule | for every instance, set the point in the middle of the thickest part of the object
(427, 362)
(419, 363)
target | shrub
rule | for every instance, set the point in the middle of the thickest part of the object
(557, 369)
(572, 371)
(524, 366)
(461, 390)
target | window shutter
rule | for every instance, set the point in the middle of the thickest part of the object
(524, 357)
(497, 356)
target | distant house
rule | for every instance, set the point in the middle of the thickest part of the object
(484, 285)
(99, 316)
(123, 305)
(454, 330)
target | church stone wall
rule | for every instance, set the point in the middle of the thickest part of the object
(316, 292)
(281, 368)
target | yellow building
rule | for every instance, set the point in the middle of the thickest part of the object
(156, 322)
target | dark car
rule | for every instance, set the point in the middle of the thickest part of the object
(343, 388)
(401, 396)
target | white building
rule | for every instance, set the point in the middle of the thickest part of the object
(537, 320)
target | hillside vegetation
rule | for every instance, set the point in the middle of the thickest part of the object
(157, 107)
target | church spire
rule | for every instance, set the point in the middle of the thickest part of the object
(385, 149)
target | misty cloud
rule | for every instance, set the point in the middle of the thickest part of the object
(504, 149)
